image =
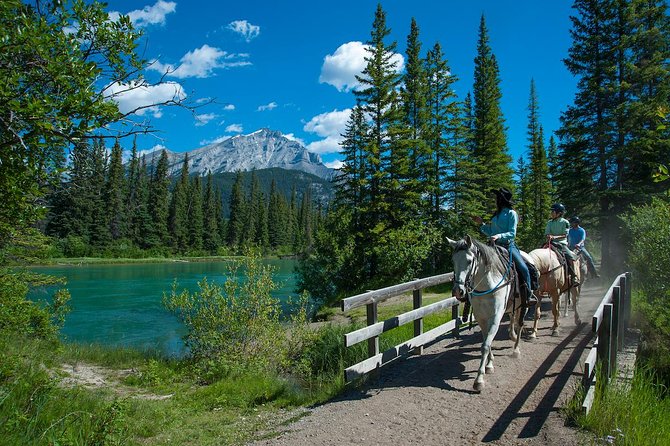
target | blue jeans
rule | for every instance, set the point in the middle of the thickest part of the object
(521, 267)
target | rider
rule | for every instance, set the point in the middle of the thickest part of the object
(576, 239)
(502, 231)
(557, 233)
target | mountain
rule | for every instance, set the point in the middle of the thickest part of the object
(262, 149)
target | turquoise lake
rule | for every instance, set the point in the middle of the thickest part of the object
(121, 305)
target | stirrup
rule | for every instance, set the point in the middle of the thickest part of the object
(531, 300)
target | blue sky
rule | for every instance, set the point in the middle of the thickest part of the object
(289, 66)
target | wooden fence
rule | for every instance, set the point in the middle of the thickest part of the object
(375, 328)
(609, 323)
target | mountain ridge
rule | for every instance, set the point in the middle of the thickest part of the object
(262, 149)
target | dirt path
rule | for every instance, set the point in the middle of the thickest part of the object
(429, 400)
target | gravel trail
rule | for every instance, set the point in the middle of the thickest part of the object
(428, 399)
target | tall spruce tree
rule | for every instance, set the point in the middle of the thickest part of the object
(132, 199)
(195, 214)
(210, 237)
(142, 216)
(158, 203)
(444, 135)
(378, 99)
(238, 213)
(178, 210)
(490, 142)
(538, 198)
(99, 235)
(114, 194)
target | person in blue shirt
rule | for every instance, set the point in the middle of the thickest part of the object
(576, 239)
(502, 231)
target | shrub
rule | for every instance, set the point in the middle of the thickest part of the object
(22, 316)
(235, 325)
(650, 261)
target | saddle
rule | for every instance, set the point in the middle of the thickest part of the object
(504, 254)
(558, 250)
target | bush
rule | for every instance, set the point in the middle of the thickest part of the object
(232, 326)
(22, 316)
(650, 261)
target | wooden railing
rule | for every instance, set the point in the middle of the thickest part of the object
(609, 323)
(375, 328)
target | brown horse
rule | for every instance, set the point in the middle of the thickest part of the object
(553, 281)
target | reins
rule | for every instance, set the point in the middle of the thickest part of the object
(473, 291)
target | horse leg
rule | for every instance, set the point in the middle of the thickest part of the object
(555, 309)
(518, 314)
(538, 313)
(489, 330)
(489, 364)
(575, 300)
(567, 304)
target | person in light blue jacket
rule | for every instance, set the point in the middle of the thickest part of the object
(502, 231)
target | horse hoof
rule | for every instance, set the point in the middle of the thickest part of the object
(555, 332)
(479, 386)
(578, 322)
(489, 369)
(516, 353)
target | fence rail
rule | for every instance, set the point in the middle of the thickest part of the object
(375, 328)
(609, 322)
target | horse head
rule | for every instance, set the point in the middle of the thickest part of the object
(464, 255)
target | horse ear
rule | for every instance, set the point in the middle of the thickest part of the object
(468, 240)
(452, 243)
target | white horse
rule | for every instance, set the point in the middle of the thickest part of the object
(481, 274)
(553, 281)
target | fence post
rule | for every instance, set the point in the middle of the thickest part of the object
(373, 343)
(418, 324)
(605, 341)
(628, 296)
(621, 311)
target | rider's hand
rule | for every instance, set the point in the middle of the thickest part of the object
(550, 237)
(495, 237)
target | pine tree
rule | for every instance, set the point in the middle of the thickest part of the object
(490, 143)
(114, 194)
(142, 217)
(195, 214)
(158, 204)
(211, 240)
(238, 213)
(178, 210)
(378, 99)
(443, 133)
(99, 235)
(539, 186)
(132, 199)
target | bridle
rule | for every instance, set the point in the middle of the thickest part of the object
(471, 290)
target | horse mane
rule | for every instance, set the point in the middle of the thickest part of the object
(489, 254)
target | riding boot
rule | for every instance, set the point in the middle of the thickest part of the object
(528, 296)
(573, 276)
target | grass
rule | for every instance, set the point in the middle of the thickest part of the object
(629, 414)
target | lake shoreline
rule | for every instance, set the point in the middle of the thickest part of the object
(76, 261)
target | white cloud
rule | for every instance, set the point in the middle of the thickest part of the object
(133, 96)
(335, 164)
(234, 128)
(270, 106)
(229, 107)
(292, 137)
(201, 63)
(245, 29)
(149, 15)
(206, 142)
(204, 118)
(340, 69)
(330, 127)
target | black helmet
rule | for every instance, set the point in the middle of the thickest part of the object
(574, 220)
(558, 208)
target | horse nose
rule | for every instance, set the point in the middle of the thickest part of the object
(457, 292)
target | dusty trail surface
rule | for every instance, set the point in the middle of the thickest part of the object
(429, 400)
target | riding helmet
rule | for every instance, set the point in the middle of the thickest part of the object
(558, 208)
(574, 220)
